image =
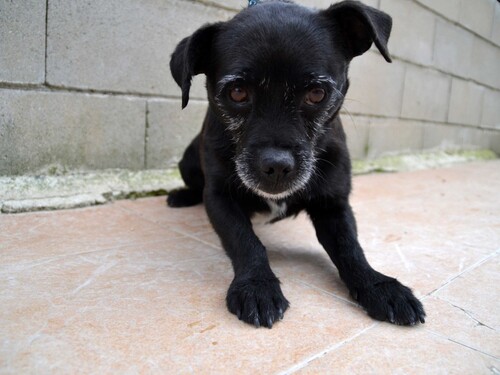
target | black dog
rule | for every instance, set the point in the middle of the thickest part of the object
(272, 141)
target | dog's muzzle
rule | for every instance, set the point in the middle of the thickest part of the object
(274, 173)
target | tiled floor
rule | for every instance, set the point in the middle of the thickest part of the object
(136, 287)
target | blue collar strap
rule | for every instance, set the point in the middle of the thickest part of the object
(251, 3)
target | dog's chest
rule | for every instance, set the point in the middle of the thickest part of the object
(276, 212)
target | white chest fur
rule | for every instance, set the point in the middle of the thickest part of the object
(277, 211)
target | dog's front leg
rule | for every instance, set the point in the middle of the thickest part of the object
(254, 295)
(383, 297)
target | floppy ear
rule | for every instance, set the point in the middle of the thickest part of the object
(192, 56)
(360, 25)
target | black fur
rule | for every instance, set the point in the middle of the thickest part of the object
(283, 145)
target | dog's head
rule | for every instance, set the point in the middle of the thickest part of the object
(276, 76)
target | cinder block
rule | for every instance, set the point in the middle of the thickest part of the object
(453, 48)
(426, 94)
(323, 4)
(170, 130)
(372, 3)
(376, 86)
(22, 41)
(448, 8)
(319, 4)
(477, 15)
(393, 136)
(235, 5)
(465, 102)
(356, 129)
(40, 129)
(121, 45)
(455, 137)
(485, 61)
(442, 137)
(494, 140)
(412, 36)
(491, 109)
(474, 138)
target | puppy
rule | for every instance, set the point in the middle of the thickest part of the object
(272, 140)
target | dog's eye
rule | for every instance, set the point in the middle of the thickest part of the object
(315, 96)
(238, 94)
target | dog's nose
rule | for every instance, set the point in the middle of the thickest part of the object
(276, 164)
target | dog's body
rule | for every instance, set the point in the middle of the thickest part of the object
(272, 141)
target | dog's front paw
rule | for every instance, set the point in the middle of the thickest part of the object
(392, 301)
(257, 301)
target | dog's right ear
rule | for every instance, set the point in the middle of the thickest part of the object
(192, 56)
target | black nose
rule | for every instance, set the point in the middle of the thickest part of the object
(275, 164)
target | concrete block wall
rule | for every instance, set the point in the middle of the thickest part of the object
(86, 85)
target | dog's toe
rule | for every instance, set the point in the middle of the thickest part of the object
(391, 301)
(257, 302)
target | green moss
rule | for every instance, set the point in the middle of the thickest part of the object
(53, 170)
(419, 161)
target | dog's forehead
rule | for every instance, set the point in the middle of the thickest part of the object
(277, 36)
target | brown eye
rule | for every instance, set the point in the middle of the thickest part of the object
(315, 96)
(238, 94)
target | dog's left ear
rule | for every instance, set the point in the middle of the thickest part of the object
(360, 25)
(192, 56)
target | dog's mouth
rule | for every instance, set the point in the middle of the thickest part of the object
(274, 173)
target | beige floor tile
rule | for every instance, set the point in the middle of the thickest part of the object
(31, 238)
(459, 325)
(477, 293)
(189, 220)
(426, 227)
(389, 349)
(467, 176)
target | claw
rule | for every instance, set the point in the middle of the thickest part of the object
(256, 322)
(269, 322)
(280, 314)
(391, 316)
(422, 320)
(354, 294)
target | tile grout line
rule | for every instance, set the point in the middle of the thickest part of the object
(326, 292)
(467, 270)
(185, 234)
(42, 261)
(468, 313)
(177, 231)
(193, 237)
(460, 343)
(329, 349)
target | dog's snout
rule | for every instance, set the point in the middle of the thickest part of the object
(276, 164)
(274, 172)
